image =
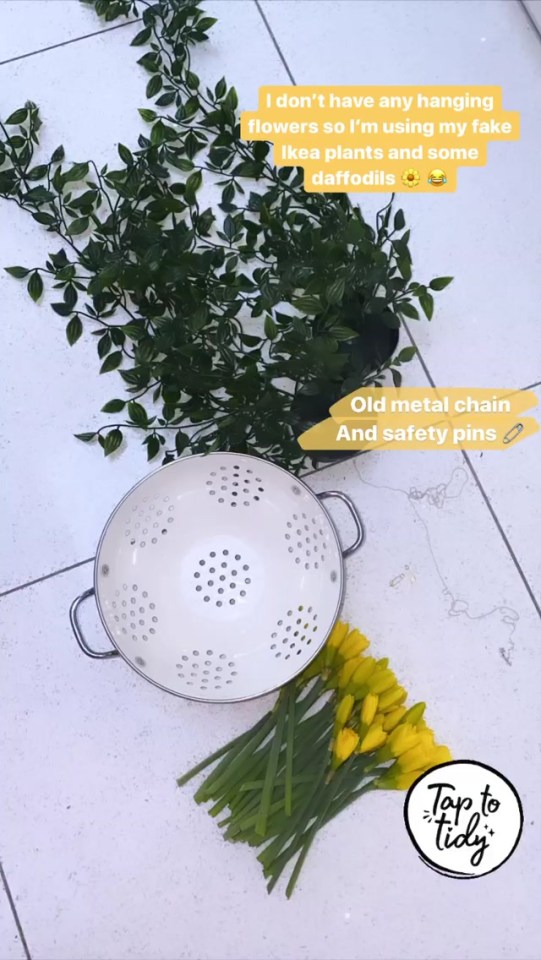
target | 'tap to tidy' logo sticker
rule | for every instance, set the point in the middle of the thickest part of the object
(464, 818)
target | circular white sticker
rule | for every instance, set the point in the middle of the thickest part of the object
(464, 818)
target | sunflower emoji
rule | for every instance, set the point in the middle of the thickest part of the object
(411, 177)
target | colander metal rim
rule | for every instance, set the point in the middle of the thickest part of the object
(185, 696)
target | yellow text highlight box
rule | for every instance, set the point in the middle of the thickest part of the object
(373, 139)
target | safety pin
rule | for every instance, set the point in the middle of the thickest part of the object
(513, 433)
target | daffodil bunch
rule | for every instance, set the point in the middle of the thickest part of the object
(340, 729)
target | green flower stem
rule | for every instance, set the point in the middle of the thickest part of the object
(277, 821)
(238, 742)
(340, 804)
(269, 854)
(257, 763)
(218, 779)
(297, 837)
(332, 788)
(348, 774)
(272, 765)
(341, 799)
(280, 781)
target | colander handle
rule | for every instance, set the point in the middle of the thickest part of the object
(76, 627)
(359, 529)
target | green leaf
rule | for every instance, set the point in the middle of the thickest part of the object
(220, 88)
(397, 377)
(408, 310)
(112, 441)
(354, 231)
(37, 173)
(154, 85)
(112, 362)
(39, 195)
(229, 227)
(18, 272)
(142, 37)
(399, 220)
(70, 295)
(335, 291)
(104, 345)
(137, 413)
(62, 309)
(271, 330)
(193, 184)
(406, 354)
(74, 330)
(232, 100)
(404, 267)
(343, 333)
(19, 116)
(58, 155)
(427, 303)
(166, 99)
(440, 283)
(44, 218)
(153, 446)
(35, 286)
(206, 23)
(85, 437)
(125, 155)
(310, 305)
(181, 164)
(78, 226)
(78, 172)
(182, 441)
(148, 116)
(113, 406)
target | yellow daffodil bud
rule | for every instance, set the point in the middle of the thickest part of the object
(365, 668)
(373, 739)
(344, 745)
(439, 755)
(396, 780)
(338, 634)
(383, 663)
(415, 714)
(418, 757)
(346, 673)
(381, 680)
(343, 712)
(368, 709)
(353, 645)
(392, 719)
(379, 718)
(402, 738)
(392, 698)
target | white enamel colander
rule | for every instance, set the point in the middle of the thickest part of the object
(218, 577)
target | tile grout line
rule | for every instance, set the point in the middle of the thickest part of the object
(530, 19)
(11, 902)
(46, 576)
(482, 490)
(65, 43)
(275, 42)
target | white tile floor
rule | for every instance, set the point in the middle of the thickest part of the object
(104, 858)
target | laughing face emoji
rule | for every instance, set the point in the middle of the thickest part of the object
(437, 178)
